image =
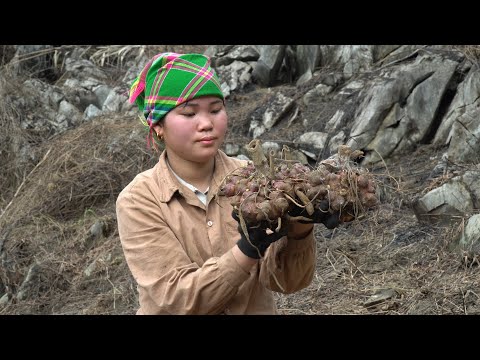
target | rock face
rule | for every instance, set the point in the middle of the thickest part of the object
(446, 203)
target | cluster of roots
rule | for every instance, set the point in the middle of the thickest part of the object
(273, 189)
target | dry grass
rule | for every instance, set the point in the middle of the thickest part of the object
(116, 53)
(387, 252)
(120, 54)
(82, 168)
(61, 253)
(45, 229)
(104, 56)
(471, 52)
(390, 252)
(11, 140)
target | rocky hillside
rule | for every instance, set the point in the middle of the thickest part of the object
(70, 142)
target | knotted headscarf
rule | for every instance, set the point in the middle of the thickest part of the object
(170, 79)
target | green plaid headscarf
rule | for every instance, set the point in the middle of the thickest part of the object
(170, 79)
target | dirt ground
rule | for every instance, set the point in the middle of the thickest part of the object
(384, 262)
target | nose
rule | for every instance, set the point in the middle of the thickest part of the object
(205, 122)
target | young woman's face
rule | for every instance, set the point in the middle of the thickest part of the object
(195, 129)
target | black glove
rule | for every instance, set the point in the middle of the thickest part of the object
(321, 215)
(259, 239)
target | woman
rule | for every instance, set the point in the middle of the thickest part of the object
(182, 245)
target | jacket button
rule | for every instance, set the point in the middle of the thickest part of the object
(210, 223)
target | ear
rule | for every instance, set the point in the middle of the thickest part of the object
(158, 129)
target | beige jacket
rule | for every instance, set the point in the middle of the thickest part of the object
(179, 251)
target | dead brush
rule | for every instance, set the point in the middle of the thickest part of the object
(120, 54)
(10, 143)
(471, 52)
(269, 189)
(79, 169)
(112, 54)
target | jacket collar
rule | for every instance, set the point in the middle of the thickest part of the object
(168, 184)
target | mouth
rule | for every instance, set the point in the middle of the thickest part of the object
(207, 140)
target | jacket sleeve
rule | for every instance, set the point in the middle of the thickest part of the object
(162, 269)
(289, 263)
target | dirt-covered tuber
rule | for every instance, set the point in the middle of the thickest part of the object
(269, 188)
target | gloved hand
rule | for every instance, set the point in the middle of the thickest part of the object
(321, 215)
(259, 239)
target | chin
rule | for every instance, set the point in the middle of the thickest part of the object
(205, 155)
